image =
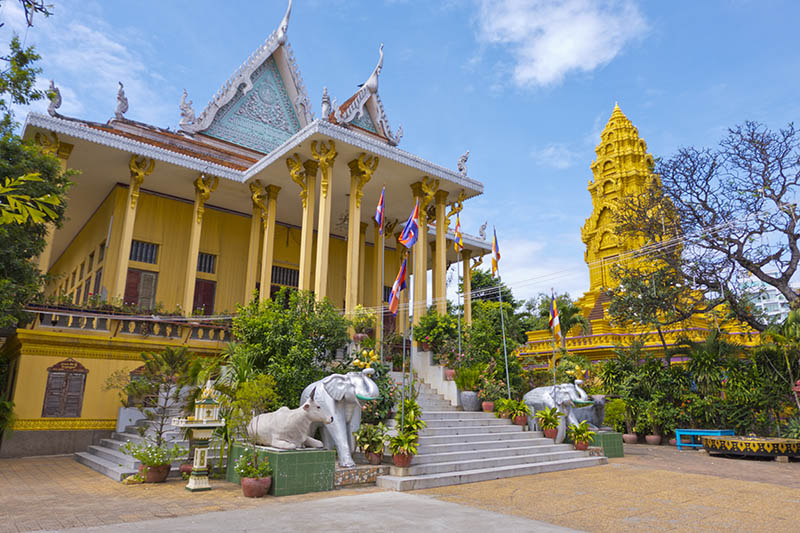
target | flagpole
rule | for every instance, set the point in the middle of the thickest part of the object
(460, 311)
(503, 326)
(553, 331)
(383, 281)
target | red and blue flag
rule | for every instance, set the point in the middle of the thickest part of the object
(399, 285)
(411, 230)
(379, 212)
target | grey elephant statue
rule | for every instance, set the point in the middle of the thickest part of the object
(556, 396)
(340, 394)
(594, 414)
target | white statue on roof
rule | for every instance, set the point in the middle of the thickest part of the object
(283, 27)
(462, 163)
(187, 113)
(122, 102)
(55, 99)
(326, 104)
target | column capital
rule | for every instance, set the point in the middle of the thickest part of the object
(203, 187)
(441, 197)
(324, 155)
(140, 167)
(272, 191)
(425, 190)
(361, 170)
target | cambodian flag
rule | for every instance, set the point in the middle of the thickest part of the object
(411, 230)
(399, 285)
(379, 212)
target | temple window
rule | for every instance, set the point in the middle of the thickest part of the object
(287, 277)
(204, 293)
(63, 396)
(90, 264)
(144, 252)
(101, 253)
(140, 288)
(206, 263)
(98, 277)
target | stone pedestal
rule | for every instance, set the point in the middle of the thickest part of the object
(293, 471)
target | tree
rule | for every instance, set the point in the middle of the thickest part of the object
(569, 315)
(735, 214)
(485, 287)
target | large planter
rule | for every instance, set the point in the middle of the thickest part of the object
(487, 407)
(470, 400)
(630, 438)
(256, 487)
(653, 439)
(449, 374)
(581, 445)
(521, 420)
(425, 347)
(154, 474)
(550, 433)
(374, 458)
(673, 441)
(402, 460)
(186, 468)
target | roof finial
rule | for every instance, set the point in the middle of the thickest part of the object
(462, 163)
(284, 25)
(55, 99)
(122, 102)
(326, 104)
(372, 82)
(187, 113)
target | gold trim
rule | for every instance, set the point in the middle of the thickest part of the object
(62, 424)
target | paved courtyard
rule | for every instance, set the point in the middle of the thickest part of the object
(655, 488)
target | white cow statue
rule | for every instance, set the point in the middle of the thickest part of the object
(288, 429)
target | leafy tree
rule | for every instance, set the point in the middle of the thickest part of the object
(569, 315)
(290, 337)
(735, 212)
(488, 288)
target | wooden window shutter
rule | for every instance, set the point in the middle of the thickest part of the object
(54, 394)
(73, 395)
(147, 290)
(204, 292)
(132, 286)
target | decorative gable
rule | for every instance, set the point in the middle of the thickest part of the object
(261, 119)
(365, 122)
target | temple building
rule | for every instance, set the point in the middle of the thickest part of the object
(622, 168)
(251, 194)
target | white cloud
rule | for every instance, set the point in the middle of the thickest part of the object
(556, 155)
(551, 38)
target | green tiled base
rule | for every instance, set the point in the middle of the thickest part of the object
(293, 471)
(611, 441)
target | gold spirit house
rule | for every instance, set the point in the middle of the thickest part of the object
(251, 194)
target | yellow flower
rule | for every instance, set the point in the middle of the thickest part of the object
(363, 352)
(356, 362)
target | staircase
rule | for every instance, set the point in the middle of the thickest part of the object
(465, 447)
(109, 460)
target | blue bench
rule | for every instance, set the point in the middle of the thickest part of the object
(692, 433)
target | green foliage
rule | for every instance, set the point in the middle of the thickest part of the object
(615, 414)
(549, 418)
(490, 388)
(467, 378)
(6, 416)
(569, 314)
(404, 442)
(378, 410)
(436, 330)
(580, 432)
(363, 320)
(792, 428)
(409, 417)
(290, 337)
(153, 454)
(572, 366)
(250, 465)
(253, 397)
(18, 208)
(509, 407)
(371, 438)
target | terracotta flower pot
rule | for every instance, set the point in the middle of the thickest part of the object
(673, 441)
(425, 347)
(449, 374)
(653, 439)
(550, 433)
(403, 460)
(581, 445)
(521, 420)
(630, 438)
(154, 474)
(487, 407)
(186, 468)
(374, 458)
(256, 487)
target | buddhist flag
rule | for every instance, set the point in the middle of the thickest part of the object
(379, 212)
(411, 230)
(459, 241)
(399, 285)
(554, 323)
(495, 252)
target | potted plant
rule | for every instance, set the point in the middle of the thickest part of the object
(580, 435)
(156, 459)
(548, 421)
(256, 473)
(491, 389)
(503, 407)
(467, 382)
(404, 448)
(519, 412)
(370, 439)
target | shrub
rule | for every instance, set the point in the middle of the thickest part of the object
(436, 329)
(250, 465)
(615, 415)
(467, 378)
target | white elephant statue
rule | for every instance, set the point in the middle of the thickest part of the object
(559, 396)
(340, 394)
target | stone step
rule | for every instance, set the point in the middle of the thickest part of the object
(113, 455)
(464, 431)
(486, 462)
(113, 470)
(433, 414)
(403, 483)
(459, 422)
(483, 453)
(482, 442)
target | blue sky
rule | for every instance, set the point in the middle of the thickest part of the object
(525, 85)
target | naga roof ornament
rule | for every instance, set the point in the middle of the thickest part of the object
(55, 99)
(243, 76)
(462, 163)
(355, 107)
(187, 113)
(122, 103)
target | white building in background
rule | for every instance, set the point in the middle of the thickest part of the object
(767, 298)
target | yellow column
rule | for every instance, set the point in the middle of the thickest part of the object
(51, 146)
(440, 263)
(203, 187)
(256, 229)
(377, 282)
(139, 167)
(362, 264)
(467, 285)
(423, 191)
(305, 175)
(268, 241)
(361, 171)
(324, 156)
